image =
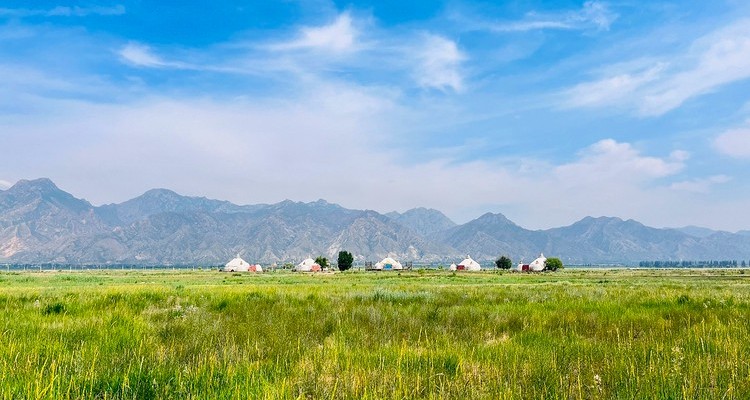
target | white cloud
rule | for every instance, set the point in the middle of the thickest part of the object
(700, 185)
(597, 13)
(5, 184)
(426, 60)
(339, 36)
(610, 161)
(734, 142)
(438, 62)
(141, 55)
(339, 149)
(719, 58)
(593, 14)
(611, 90)
(63, 11)
(714, 60)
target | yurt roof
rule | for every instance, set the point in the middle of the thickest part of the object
(468, 261)
(307, 262)
(236, 262)
(389, 260)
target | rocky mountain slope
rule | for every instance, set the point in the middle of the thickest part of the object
(41, 223)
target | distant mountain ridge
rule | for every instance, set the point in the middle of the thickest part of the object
(41, 223)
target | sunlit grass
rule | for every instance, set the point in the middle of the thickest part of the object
(205, 334)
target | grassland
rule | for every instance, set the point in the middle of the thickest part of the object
(203, 334)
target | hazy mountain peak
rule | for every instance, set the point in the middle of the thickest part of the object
(424, 221)
(600, 220)
(41, 190)
(696, 231)
(161, 193)
(41, 185)
(495, 218)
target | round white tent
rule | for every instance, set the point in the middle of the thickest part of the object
(388, 263)
(538, 264)
(237, 265)
(469, 265)
(307, 265)
(452, 267)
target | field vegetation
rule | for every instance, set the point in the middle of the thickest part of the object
(573, 334)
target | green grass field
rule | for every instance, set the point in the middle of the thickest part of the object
(574, 334)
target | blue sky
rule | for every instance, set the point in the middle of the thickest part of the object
(544, 111)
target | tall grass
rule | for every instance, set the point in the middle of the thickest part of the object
(572, 335)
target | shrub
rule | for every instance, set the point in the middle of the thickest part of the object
(345, 261)
(503, 263)
(553, 264)
(54, 308)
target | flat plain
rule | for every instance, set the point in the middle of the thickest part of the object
(573, 334)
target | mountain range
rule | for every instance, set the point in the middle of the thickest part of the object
(41, 223)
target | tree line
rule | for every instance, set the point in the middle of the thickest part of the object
(694, 264)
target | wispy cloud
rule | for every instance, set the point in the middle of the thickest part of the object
(428, 60)
(734, 142)
(714, 60)
(700, 185)
(612, 90)
(593, 15)
(63, 11)
(717, 59)
(338, 36)
(142, 56)
(438, 63)
(5, 184)
(609, 160)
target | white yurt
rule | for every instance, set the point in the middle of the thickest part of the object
(538, 264)
(255, 268)
(468, 265)
(452, 267)
(388, 263)
(308, 265)
(237, 265)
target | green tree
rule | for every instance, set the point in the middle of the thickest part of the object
(503, 263)
(345, 261)
(553, 264)
(322, 261)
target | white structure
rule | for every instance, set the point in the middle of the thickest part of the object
(468, 265)
(308, 265)
(239, 265)
(388, 263)
(452, 267)
(535, 266)
(538, 264)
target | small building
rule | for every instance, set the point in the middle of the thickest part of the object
(239, 265)
(308, 265)
(388, 264)
(535, 266)
(538, 264)
(468, 265)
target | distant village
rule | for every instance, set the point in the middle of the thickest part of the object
(237, 264)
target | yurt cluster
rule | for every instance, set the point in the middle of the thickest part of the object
(387, 264)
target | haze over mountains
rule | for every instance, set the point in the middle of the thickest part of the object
(40, 223)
